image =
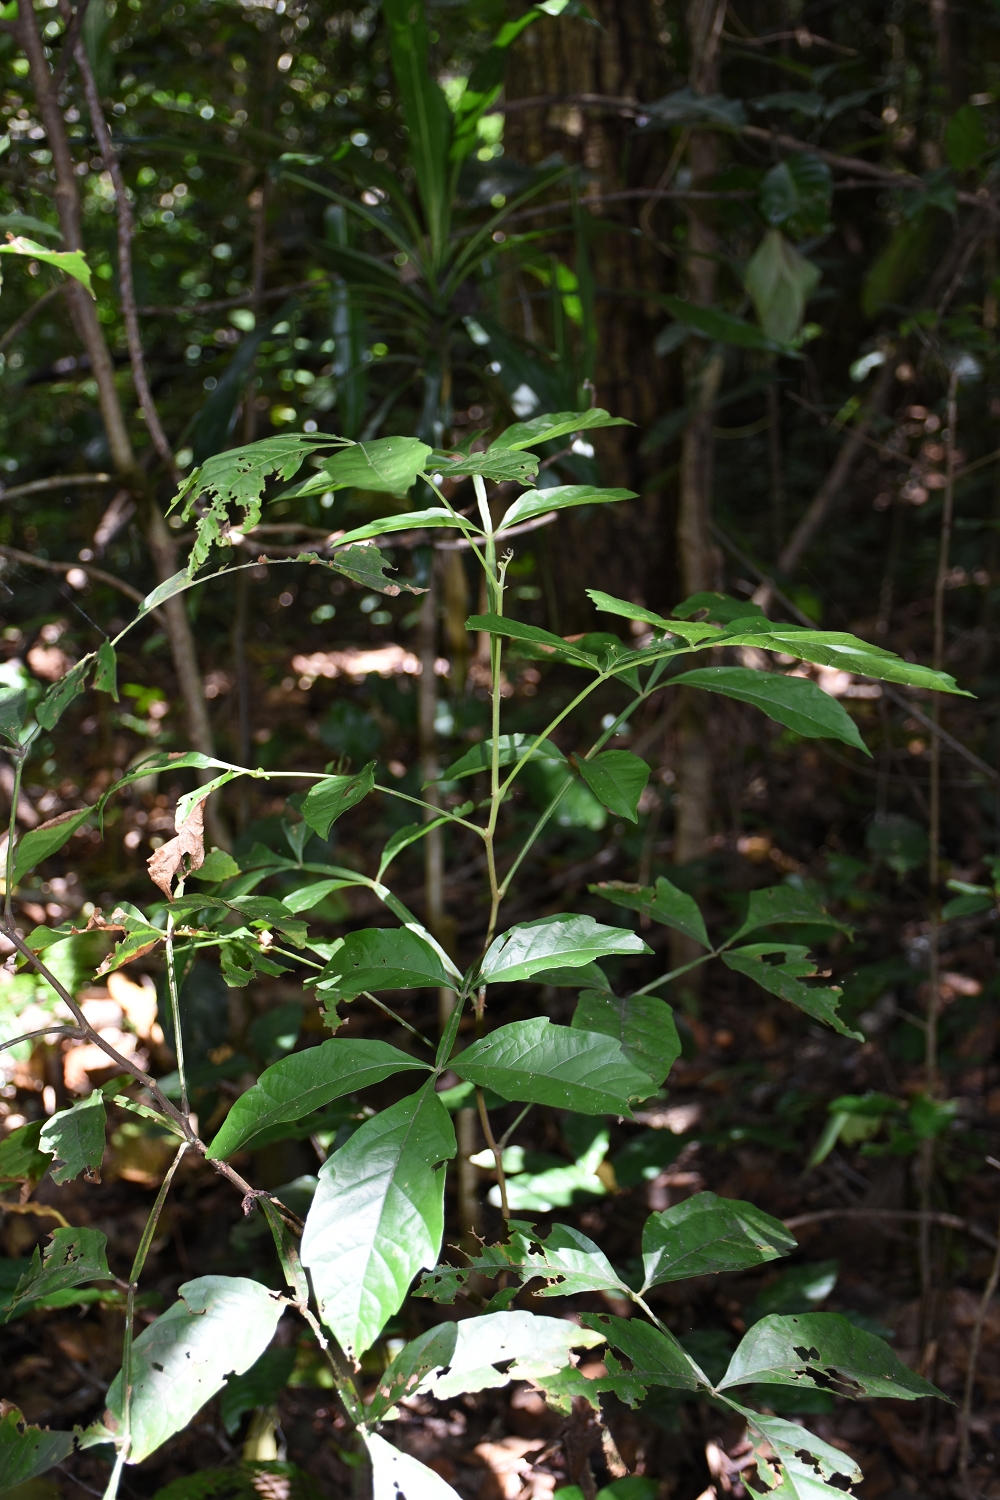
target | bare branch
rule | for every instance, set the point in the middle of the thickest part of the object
(20, 324)
(54, 482)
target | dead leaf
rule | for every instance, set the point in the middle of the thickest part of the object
(188, 844)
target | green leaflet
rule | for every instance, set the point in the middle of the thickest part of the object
(71, 1257)
(409, 834)
(656, 1358)
(26, 1452)
(106, 675)
(691, 631)
(365, 566)
(796, 702)
(786, 904)
(454, 1358)
(62, 693)
(785, 979)
(306, 1081)
(536, 1062)
(567, 1261)
(327, 799)
(502, 467)
(219, 1325)
(13, 709)
(70, 262)
(46, 839)
(378, 1217)
(797, 1464)
(388, 466)
(411, 520)
(386, 958)
(308, 896)
(500, 625)
(512, 748)
(664, 903)
(555, 424)
(20, 1158)
(561, 497)
(835, 648)
(823, 1350)
(398, 1476)
(553, 942)
(617, 778)
(707, 1233)
(75, 1138)
(643, 1026)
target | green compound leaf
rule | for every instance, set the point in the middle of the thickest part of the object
(537, 1062)
(388, 466)
(378, 1217)
(833, 648)
(72, 1257)
(500, 625)
(786, 904)
(785, 978)
(332, 796)
(220, 1325)
(555, 424)
(560, 497)
(617, 778)
(567, 1261)
(692, 631)
(707, 1234)
(26, 1452)
(75, 1138)
(796, 702)
(303, 1082)
(663, 902)
(656, 1358)
(642, 1025)
(386, 958)
(455, 1358)
(48, 838)
(512, 747)
(550, 943)
(824, 1351)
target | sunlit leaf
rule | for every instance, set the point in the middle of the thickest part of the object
(327, 799)
(75, 1138)
(561, 497)
(553, 942)
(537, 1062)
(822, 1350)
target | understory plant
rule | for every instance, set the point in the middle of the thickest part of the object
(375, 1223)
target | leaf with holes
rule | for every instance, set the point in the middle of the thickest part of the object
(72, 1257)
(793, 1463)
(825, 1351)
(654, 1354)
(365, 565)
(707, 1234)
(502, 467)
(327, 799)
(643, 1026)
(662, 902)
(27, 1452)
(219, 1326)
(796, 702)
(305, 1081)
(785, 978)
(378, 1217)
(75, 1138)
(537, 1062)
(786, 904)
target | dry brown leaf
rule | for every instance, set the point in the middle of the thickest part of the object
(187, 844)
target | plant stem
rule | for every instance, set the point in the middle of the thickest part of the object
(175, 1009)
(405, 1024)
(965, 1418)
(494, 1146)
(18, 757)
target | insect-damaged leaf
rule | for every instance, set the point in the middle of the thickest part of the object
(785, 978)
(72, 1257)
(656, 1358)
(707, 1233)
(365, 565)
(62, 693)
(823, 1350)
(219, 1325)
(398, 1476)
(306, 1081)
(75, 1138)
(26, 1452)
(332, 796)
(378, 1217)
(183, 853)
(793, 1463)
(539, 1063)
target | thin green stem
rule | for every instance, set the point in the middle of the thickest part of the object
(654, 984)
(405, 1024)
(18, 757)
(175, 1009)
(438, 812)
(511, 1128)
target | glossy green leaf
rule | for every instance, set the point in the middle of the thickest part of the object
(219, 866)
(106, 675)
(796, 702)
(617, 778)
(159, 761)
(502, 467)
(566, 1260)
(386, 958)
(822, 1350)
(692, 631)
(45, 840)
(500, 625)
(785, 976)
(706, 1234)
(654, 1354)
(399, 1476)
(27, 1452)
(75, 1138)
(555, 424)
(20, 1157)
(378, 1217)
(220, 1325)
(70, 262)
(72, 1257)
(308, 896)
(536, 1062)
(327, 799)
(553, 942)
(411, 520)
(643, 1026)
(834, 648)
(261, 1385)
(663, 903)
(561, 497)
(512, 748)
(388, 466)
(305, 1081)
(62, 693)
(719, 609)
(786, 904)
